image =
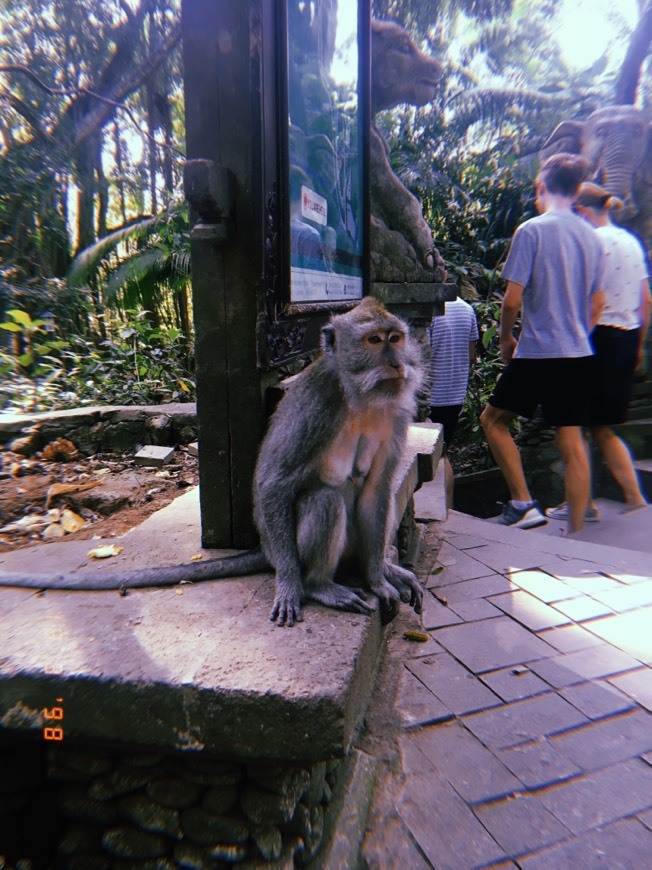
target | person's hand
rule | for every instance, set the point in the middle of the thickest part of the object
(507, 347)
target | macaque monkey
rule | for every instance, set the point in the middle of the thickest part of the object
(323, 499)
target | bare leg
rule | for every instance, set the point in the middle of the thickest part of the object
(495, 423)
(577, 477)
(619, 461)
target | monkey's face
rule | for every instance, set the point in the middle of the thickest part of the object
(383, 366)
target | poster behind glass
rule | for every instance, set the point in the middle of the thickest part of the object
(325, 151)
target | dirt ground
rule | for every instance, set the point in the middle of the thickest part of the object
(58, 493)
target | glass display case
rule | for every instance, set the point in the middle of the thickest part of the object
(324, 177)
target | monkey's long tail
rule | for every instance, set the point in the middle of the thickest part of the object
(249, 562)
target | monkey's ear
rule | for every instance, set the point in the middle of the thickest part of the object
(328, 338)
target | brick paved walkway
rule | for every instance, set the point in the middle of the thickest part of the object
(526, 719)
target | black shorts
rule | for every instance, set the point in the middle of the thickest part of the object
(616, 354)
(560, 385)
(447, 415)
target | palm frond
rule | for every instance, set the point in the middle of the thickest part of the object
(88, 260)
(140, 268)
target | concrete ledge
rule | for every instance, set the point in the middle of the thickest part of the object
(191, 667)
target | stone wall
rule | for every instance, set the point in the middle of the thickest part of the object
(108, 429)
(106, 809)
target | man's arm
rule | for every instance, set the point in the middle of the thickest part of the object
(512, 301)
(644, 311)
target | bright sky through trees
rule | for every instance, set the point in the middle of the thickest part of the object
(586, 27)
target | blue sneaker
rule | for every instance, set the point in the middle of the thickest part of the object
(522, 518)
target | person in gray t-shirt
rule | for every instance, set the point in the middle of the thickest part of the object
(554, 274)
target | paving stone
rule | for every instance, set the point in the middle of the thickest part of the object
(629, 632)
(581, 575)
(542, 585)
(492, 644)
(461, 691)
(582, 609)
(469, 590)
(586, 664)
(512, 684)
(538, 764)
(521, 824)
(460, 564)
(154, 456)
(417, 705)
(462, 760)
(523, 721)
(569, 638)
(504, 558)
(412, 759)
(646, 818)
(628, 577)
(597, 700)
(528, 610)
(638, 685)
(626, 598)
(601, 797)
(389, 846)
(624, 845)
(466, 542)
(472, 611)
(445, 829)
(435, 614)
(403, 648)
(607, 741)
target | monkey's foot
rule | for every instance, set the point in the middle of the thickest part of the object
(339, 597)
(406, 584)
(287, 608)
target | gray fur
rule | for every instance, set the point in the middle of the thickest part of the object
(323, 480)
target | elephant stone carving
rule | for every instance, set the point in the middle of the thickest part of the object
(617, 142)
(402, 248)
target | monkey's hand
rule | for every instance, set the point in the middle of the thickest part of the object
(406, 584)
(287, 603)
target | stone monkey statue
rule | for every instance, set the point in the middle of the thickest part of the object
(323, 480)
(402, 247)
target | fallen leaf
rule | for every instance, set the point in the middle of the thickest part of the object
(68, 488)
(105, 552)
(196, 557)
(179, 591)
(60, 450)
(417, 636)
(55, 530)
(25, 525)
(71, 521)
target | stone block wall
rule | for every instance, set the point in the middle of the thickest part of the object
(107, 808)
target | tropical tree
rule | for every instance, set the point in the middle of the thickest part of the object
(83, 85)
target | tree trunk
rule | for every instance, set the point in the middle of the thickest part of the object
(630, 71)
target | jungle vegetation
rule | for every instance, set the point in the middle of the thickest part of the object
(94, 241)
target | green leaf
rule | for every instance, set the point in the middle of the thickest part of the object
(26, 359)
(21, 317)
(11, 327)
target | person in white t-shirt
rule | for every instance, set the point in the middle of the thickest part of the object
(618, 340)
(453, 340)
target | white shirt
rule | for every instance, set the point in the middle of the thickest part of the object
(624, 269)
(450, 337)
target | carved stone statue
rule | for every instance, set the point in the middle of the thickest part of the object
(617, 142)
(402, 248)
